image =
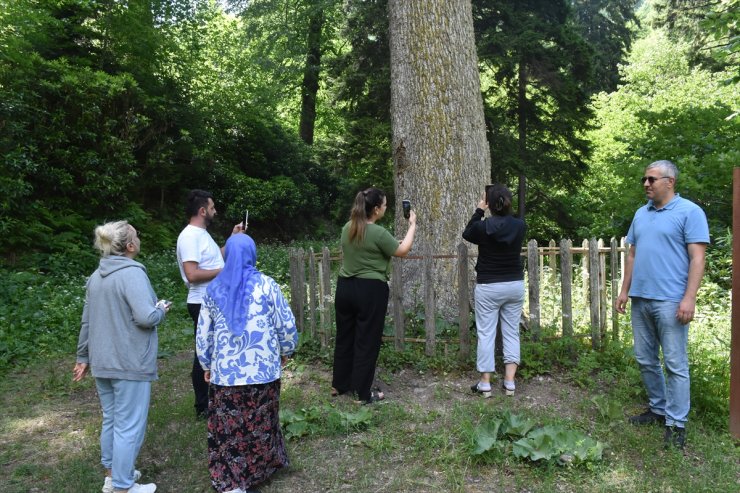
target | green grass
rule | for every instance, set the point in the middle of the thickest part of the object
(418, 441)
(415, 442)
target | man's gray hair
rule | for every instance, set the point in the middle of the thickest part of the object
(669, 169)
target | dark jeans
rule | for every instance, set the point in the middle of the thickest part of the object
(200, 387)
(360, 306)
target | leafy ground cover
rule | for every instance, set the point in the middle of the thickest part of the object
(423, 438)
(428, 436)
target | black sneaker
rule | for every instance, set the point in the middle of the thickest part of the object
(647, 418)
(674, 437)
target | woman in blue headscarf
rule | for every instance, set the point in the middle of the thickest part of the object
(246, 330)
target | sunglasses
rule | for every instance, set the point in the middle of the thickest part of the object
(651, 179)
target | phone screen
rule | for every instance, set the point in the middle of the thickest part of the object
(488, 187)
(406, 204)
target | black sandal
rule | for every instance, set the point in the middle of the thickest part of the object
(376, 395)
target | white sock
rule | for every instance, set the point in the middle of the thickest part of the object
(484, 386)
(509, 385)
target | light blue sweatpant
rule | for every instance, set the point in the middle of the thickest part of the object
(125, 406)
(494, 301)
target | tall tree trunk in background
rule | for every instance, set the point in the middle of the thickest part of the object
(522, 142)
(440, 153)
(310, 85)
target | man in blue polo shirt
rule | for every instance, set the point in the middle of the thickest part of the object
(668, 239)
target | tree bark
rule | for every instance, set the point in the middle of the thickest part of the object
(310, 84)
(440, 154)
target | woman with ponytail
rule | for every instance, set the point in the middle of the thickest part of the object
(499, 292)
(361, 298)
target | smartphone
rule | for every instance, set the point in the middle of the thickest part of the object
(246, 219)
(406, 204)
(488, 187)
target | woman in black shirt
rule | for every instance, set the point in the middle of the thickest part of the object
(499, 292)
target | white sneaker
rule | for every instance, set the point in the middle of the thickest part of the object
(143, 488)
(510, 389)
(108, 483)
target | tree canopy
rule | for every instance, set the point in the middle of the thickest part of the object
(115, 109)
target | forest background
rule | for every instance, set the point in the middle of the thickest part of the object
(115, 109)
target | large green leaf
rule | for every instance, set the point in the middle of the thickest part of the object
(516, 425)
(486, 436)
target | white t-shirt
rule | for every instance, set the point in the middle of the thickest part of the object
(195, 245)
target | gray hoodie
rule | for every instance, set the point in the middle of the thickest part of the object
(118, 336)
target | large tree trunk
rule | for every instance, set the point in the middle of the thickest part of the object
(310, 85)
(440, 154)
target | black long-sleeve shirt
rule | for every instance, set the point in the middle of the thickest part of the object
(499, 240)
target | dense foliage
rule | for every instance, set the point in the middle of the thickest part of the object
(114, 110)
(537, 69)
(670, 110)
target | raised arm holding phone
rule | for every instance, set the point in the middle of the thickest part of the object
(200, 260)
(362, 293)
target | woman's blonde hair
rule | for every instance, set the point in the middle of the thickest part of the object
(362, 209)
(111, 238)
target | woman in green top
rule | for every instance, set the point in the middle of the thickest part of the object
(361, 298)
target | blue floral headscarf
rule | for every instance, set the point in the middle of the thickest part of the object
(231, 290)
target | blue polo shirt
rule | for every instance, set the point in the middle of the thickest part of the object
(661, 238)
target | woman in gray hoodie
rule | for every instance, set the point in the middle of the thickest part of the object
(118, 343)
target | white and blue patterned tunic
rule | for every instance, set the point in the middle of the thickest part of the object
(252, 357)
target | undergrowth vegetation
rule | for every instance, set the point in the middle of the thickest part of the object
(40, 313)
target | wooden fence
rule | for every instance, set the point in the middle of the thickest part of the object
(596, 266)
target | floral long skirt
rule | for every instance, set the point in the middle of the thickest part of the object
(245, 444)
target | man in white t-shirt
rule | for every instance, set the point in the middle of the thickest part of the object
(200, 260)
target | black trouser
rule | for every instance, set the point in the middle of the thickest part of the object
(200, 387)
(360, 306)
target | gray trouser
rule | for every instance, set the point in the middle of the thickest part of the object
(504, 301)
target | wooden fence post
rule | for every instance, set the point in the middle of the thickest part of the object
(397, 295)
(593, 289)
(541, 263)
(566, 286)
(534, 288)
(583, 292)
(553, 261)
(602, 289)
(614, 266)
(312, 292)
(297, 285)
(553, 254)
(429, 308)
(326, 319)
(464, 300)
